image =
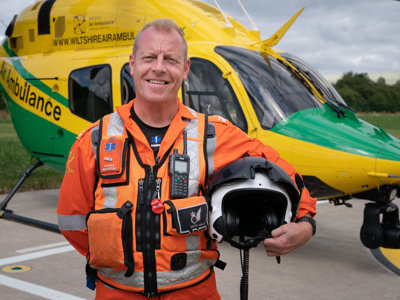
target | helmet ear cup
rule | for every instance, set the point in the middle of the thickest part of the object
(270, 221)
(231, 223)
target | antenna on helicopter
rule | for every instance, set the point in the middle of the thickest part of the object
(228, 24)
(254, 27)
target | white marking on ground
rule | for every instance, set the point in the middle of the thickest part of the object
(27, 250)
(35, 289)
(24, 257)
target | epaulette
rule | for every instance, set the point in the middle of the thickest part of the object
(217, 119)
(88, 129)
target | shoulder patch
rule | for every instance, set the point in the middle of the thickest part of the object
(217, 119)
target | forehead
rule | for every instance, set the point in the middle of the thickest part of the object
(160, 41)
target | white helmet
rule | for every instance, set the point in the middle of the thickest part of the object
(250, 197)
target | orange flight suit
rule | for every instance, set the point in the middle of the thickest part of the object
(85, 188)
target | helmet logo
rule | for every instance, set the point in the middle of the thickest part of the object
(195, 217)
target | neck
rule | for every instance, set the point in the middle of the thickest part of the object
(156, 115)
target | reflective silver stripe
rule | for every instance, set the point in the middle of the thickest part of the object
(166, 278)
(194, 113)
(115, 128)
(211, 147)
(192, 242)
(136, 280)
(190, 272)
(115, 125)
(193, 152)
(193, 257)
(74, 222)
(110, 195)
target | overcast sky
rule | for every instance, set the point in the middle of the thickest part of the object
(334, 36)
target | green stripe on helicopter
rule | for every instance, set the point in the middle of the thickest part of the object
(321, 126)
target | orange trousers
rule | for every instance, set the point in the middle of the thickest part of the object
(207, 290)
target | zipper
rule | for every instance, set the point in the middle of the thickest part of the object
(141, 208)
(141, 191)
(157, 237)
(150, 230)
(150, 234)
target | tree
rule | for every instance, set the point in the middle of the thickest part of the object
(364, 95)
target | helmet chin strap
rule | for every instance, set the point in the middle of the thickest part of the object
(251, 242)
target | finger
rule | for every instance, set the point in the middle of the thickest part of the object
(270, 243)
(278, 231)
(273, 253)
(271, 246)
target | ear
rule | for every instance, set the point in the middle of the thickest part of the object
(186, 69)
(131, 63)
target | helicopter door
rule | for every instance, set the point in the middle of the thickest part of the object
(206, 90)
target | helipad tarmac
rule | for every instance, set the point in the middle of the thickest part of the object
(38, 264)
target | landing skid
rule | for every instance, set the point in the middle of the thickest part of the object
(9, 215)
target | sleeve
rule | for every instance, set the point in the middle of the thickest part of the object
(232, 143)
(77, 193)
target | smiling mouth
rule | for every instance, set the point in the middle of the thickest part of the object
(157, 81)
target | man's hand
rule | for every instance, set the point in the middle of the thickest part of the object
(287, 238)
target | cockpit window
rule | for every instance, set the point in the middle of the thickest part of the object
(325, 89)
(275, 92)
(205, 90)
(127, 87)
(90, 92)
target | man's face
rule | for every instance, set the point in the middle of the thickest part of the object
(159, 66)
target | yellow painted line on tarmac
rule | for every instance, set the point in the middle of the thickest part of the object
(390, 258)
(393, 255)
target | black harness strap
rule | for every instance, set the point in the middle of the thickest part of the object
(205, 147)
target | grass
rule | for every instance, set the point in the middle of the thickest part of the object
(389, 122)
(15, 159)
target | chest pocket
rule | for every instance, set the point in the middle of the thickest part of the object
(110, 238)
(185, 216)
(113, 157)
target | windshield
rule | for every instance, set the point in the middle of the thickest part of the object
(274, 91)
(325, 89)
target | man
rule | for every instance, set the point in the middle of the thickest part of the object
(119, 169)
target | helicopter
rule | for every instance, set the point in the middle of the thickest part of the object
(64, 65)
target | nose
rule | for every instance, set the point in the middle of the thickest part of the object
(159, 65)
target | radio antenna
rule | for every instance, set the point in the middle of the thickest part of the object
(228, 24)
(254, 27)
(185, 142)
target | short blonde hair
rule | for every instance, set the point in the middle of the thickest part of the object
(161, 25)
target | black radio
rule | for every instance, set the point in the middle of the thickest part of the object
(179, 168)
